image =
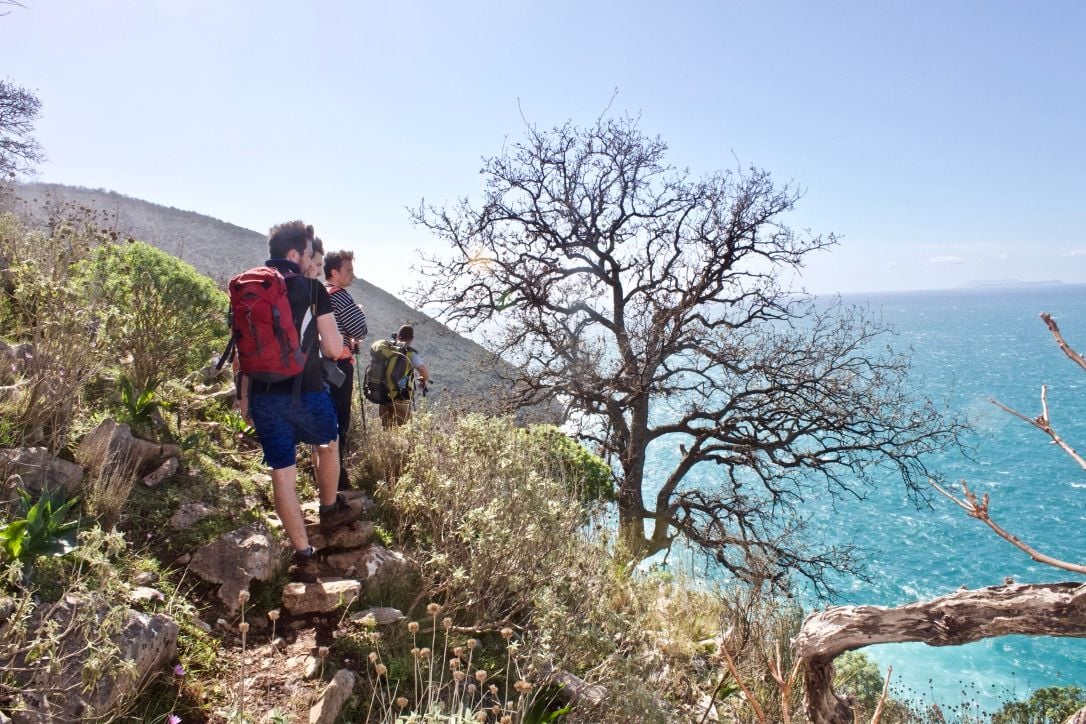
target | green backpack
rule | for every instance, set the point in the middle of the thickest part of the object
(390, 375)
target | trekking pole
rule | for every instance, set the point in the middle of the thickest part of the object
(361, 398)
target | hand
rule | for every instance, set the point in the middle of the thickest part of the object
(243, 410)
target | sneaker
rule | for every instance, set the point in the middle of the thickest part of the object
(340, 515)
(303, 568)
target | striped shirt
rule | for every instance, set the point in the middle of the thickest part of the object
(350, 318)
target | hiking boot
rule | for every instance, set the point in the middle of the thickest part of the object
(303, 568)
(340, 514)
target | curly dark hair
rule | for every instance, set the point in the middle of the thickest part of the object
(289, 235)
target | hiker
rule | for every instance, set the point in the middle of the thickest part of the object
(398, 411)
(298, 408)
(315, 268)
(351, 320)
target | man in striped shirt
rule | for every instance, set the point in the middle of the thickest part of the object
(351, 320)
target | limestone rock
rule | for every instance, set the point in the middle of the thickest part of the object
(311, 668)
(112, 444)
(356, 535)
(188, 514)
(39, 470)
(332, 699)
(234, 560)
(389, 577)
(382, 615)
(145, 645)
(162, 472)
(322, 597)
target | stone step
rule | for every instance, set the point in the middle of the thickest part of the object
(324, 596)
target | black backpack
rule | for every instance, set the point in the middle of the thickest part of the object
(390, 375)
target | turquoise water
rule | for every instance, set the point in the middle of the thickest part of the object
(968, 346)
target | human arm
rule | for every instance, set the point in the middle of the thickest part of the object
(331, 339)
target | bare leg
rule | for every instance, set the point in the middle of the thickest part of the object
(285, 490)
(328, 471)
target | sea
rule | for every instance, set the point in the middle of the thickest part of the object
(968, 347)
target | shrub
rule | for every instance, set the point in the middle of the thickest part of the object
(154, 309)
(587, 476)
(1050, 705)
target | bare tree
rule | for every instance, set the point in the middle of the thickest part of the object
(19, 152)
(650, 304)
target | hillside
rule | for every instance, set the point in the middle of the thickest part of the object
(219, 249)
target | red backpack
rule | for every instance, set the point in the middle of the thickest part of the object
(264, 334)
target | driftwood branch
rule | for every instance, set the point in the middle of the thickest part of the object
(1046, 609)
(978, 508)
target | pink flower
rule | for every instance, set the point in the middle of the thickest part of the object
(178, 670)
(173, 719)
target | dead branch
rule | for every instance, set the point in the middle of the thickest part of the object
(1047, 609)
(882, 697)
(784, 684)
(1044, 424)
(1067, 350)
(734, 671)
(978, 508)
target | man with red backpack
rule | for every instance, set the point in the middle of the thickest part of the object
(282, 322)
(351, 320)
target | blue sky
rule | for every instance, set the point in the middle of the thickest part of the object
(943, 141)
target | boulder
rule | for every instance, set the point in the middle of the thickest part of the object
(53, 687)
(322, 597)
(162, 472)
(382, 615)
(390, 578)
(332, 699)
(40, 470)
(236, 559)
(188, 514)
(112, 444)
(358, 534)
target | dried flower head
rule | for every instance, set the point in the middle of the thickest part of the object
(401, 701)
(480, 675)
(413, 627)
(458, 676)
(458, 651)
(273, 614)
(507, 633)
(472, 643)
(415, 652)
(470, 689)
(454, 664)
(522, 687)
(480, 716)
(243, 597)
(373, 657)
(506, 719)
(243, 627)
(493, 691)
(322, 652)
(433, 610)
(425, 652)
(380, 669)
(446, 623)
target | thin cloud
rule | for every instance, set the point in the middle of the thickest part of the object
(946, 260)
(1075, 252)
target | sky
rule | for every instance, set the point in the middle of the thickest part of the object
(942, 141)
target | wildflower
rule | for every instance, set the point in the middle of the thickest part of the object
(506, 719)
(495, 710)
(522, 687)
(173, 719)
(415, 652)
(380, 669)
(480, 675)
(401, 701)
(472, 643)
(480, 716)
(458, 676)
(433, 610)
(243, 627)
(178, 670)
(373, 657)
(471, 689)
(493, 690)
(425, 652)
(454, 664)
(243, 597)
(322, 652)
(446, 623)
(273, 614)
(507, 633)
(413, 627)
(458, 651)
(368, 621)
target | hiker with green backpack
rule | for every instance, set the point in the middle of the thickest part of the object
(395, 375)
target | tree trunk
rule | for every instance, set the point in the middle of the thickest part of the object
(631, 496)
(1048, 609)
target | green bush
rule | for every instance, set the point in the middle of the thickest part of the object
(154, 309)
(586, 475)
(1050, 705)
